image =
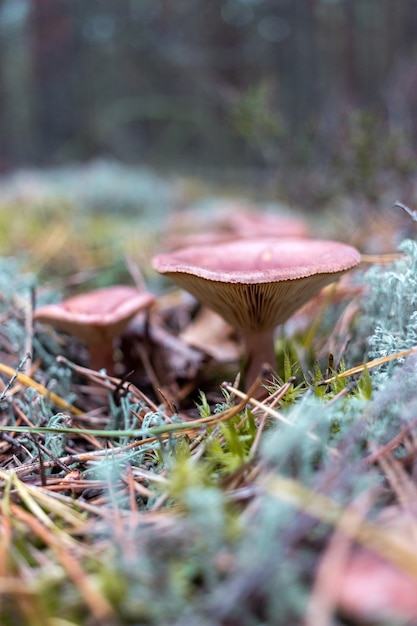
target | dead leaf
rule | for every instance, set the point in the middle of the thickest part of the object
(212, 335)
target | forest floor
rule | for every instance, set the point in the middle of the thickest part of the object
(163, 493)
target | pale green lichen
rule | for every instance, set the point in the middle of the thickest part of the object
(389, 319)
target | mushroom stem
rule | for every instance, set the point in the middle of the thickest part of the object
(259, 350)
(101, 356)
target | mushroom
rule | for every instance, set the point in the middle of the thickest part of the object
(256, 284)
(97, 317)
(228, 222)
(249, 224)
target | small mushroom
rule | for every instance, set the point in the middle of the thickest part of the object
(97, 317)
(230, 221)
(250, 224)
(256, 284)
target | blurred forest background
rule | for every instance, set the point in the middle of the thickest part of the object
(260, 85)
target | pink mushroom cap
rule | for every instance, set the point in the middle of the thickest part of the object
(231, 222)
(257, 283)
(97, 317)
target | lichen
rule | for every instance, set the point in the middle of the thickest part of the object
(389, 318)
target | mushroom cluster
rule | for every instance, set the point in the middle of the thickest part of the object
(256, 284)
(253, 282)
